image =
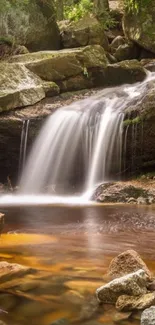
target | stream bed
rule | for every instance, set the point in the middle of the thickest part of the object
(70, 248)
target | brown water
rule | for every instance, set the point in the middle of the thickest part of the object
(70, 247)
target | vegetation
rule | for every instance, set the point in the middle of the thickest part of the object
(136, 5)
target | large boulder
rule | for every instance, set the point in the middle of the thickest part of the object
(61, 65)
(31, 23)
(148, 316)
(87, 31)
(134, 284)
(127, 262)
(139, 25)
(18, 86)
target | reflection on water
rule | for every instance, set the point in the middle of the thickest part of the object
(71, 248)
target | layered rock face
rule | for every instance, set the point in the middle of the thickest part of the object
(31, 23)
(139, 26)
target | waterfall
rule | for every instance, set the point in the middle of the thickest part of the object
(23, 145)
(80, 143)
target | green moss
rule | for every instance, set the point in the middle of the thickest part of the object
(134, 192)
(136, 120)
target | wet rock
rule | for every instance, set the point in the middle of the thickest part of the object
(128, 71)
(141, 200)
(61, 321)
(7, 301)
(148, 316)
(12, 270)
(121, 317)
(73, 297)
(131, 200)
(87, 31)
(133, 284)
(128, 303)
(127, 262)
(88, 309)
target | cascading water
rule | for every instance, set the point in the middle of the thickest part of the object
(80, 143)
(23, 145)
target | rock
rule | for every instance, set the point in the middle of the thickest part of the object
(139, 26)
(120, 73)
(148, 316)
(119, 40)
(127, 51)
(128, 303)
(133, 284)
(51, 88)
(20, 49)
(121, 317)
(121, 192)
(87, 31)
(36, 26)
(141, 200)
(18, 86)
(61, 65)
(12, 270)
(127, 262)
(131, 200)
(149, 64)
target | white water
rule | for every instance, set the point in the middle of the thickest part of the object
(23, 145)
(83, 140)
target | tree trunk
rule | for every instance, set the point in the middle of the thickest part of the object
(100, 6)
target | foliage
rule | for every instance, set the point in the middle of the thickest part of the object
(134, 6)
(79, 10)
(107, 20)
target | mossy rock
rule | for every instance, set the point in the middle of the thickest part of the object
(31, 23)
(87, 31)
(18, 86)
(139, 26)
(61, 65)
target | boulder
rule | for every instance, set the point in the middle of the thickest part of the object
(148, 316)
(61, 65)
(86, 31)
(18, 86)
(118, 41)
(128, 303)
(127, 262)
(133, 284)
(127, 51)
(129, 71)
(139, 25)
(31, 23)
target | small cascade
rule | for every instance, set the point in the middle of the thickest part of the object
(23, 145)
(80, 143)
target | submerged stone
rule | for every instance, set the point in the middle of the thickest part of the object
(128, 303)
